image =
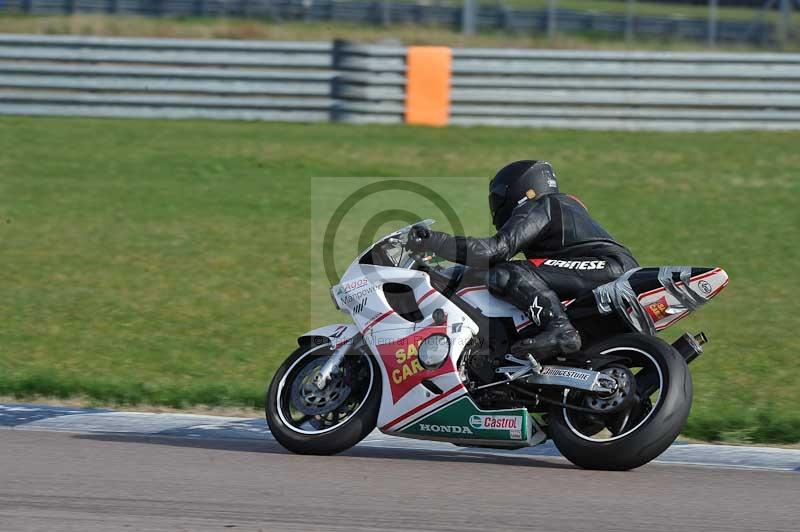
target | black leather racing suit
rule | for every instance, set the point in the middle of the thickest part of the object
(567, 251)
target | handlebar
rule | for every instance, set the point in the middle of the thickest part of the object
(399, 239)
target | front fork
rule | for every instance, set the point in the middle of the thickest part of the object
(333, 363)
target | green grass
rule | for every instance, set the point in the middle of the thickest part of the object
(169, 262)
(233, 28)
(643, 8)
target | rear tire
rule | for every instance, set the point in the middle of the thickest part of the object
(303, 439)
(653, 433)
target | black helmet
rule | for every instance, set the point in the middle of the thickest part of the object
(518, 180)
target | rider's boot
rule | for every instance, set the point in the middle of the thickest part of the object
(556, 336)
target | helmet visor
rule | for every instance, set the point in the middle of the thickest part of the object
(498, 195)
(496, 202)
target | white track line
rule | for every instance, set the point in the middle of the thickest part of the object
(191, 426)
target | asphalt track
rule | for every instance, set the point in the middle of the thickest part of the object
(159, 472)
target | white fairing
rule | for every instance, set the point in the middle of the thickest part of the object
(666, 310)
(489, 305)
(394, 339)
(337, 334)
(479, 297)
(409, 390)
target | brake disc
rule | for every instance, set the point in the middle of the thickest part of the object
(312, 401)
(622, 399)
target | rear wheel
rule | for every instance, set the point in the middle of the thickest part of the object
(308, 420)
(637, 423)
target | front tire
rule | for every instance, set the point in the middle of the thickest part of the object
(651, 427)
(307, 421)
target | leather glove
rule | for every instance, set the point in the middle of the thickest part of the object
(418, 238)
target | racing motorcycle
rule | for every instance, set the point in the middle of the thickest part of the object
(431, 354)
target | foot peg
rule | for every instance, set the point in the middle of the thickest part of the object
(521, 368)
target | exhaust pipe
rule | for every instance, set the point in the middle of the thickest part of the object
(690, 347)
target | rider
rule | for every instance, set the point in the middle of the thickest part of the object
(568, 253)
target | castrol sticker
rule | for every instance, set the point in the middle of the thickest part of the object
(496, 422)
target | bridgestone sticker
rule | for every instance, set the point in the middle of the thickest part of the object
(572, 374)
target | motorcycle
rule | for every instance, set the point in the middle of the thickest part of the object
(431, 354)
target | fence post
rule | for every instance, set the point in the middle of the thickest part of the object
(468, 17)
(712, 22)
(199, 8)
(338, 48)
(386, 13)
(784, 21)
(552, 22)
(630, 8)
(503, 16)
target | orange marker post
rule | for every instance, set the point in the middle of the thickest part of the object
(428, 70)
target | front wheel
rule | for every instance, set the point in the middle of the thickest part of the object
(308, 420)
(640, 421)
